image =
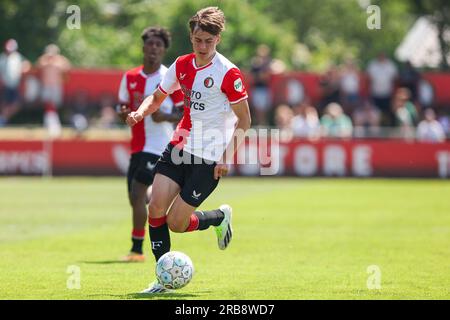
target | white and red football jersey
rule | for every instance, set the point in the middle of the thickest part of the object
(147, 135)
(208, 122)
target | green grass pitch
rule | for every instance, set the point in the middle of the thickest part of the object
(293, 239)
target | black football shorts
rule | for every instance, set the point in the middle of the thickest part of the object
(142, 168)
(195, 176)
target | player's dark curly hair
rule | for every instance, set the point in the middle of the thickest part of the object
(160, 32)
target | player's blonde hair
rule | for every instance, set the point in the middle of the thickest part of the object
(210, 19)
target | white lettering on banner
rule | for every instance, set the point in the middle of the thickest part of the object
(361, 161)
(334, 160)
(443, 158)
(305, 160)
(23, 162)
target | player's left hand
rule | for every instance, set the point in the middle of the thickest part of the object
(221, 169)
(133, 118)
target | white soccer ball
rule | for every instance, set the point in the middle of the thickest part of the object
(174, 270)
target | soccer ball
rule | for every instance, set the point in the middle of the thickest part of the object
(174, 270)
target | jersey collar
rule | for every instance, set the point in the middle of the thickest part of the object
(206, 65)
(143, 74)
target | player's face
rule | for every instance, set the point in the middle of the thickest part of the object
(154, 50)
(204, 45)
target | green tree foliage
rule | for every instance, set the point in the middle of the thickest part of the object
(305, 34)
(335, 29)
(107, 39)
(28, 22)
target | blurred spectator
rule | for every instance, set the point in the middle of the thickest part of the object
(403, 108)
(429, 129)
(12, 66)
(305, 123)
(425, 93)
(349, 86)
(261, 99)
(330, 86)
(108, 115)
(52, 68)
(283, 121)
(367, 117)
(79, 111)
(444, 120)
(409, 78)
(405, 112)
(382, 74)
(335, 123)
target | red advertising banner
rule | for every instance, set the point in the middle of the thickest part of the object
(289, 87)
(352, 158)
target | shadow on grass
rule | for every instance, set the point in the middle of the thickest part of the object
(108, 262)
(171, 295)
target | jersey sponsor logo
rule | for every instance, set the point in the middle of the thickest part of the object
(197, 105)
(133, 85)
(209, 82)
(196, 195)
(182, 76)
(192, 94)
(238, 85)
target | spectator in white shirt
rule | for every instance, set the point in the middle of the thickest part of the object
(305, 123)
(12, 66)
(350, 85)
(429, 129)
(382, 74)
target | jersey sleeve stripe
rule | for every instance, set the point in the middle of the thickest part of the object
(239, 100)
(162, 90)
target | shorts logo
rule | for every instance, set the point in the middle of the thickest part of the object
(150, 166)
(238, 85)
(209, 82)
(195, 195)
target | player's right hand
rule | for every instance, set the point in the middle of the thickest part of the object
(133, 118)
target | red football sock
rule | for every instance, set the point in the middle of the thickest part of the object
(193, 223)
(138, 233)
(157, 222)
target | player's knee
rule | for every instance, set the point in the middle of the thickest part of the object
(155, 209)
(176, 224)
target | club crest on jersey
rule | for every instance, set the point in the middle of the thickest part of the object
(209, 82)
(238, 85)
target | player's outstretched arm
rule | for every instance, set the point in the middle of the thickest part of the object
(148, 106)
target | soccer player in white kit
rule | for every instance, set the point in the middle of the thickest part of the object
(150, 137)
(215, 101)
